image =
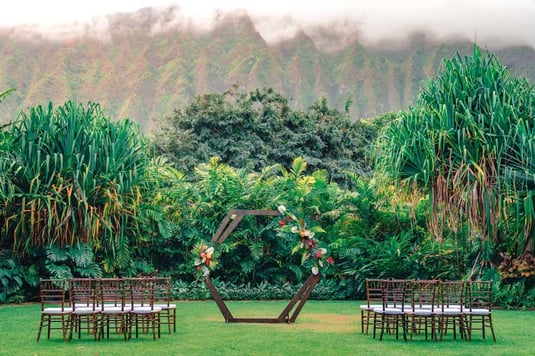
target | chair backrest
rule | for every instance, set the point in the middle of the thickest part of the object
(162, 290)
(374, 291)
(111, 293)
(141, 292)
(52, 293)
(395, 293)
(452, 295)
(479, 295)
(83, 292)
(424, 294)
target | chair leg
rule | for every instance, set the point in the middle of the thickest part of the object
(374, 326)
(403, 327)
(492, 328)
(365, 321)
(158, 320)
(151, 321)
(469, 328)
(49, 324)
(383, 321)
(40, 327)
(382, 329)
(64, 326)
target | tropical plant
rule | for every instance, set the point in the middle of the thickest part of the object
(258, 129)
(253, 253)
(186, 212)
(70, 175)
(11, 279)
(71, 261)
(456, 145)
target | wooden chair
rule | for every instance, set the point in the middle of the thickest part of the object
(419, 316)
(478, 313)
(390, 316)
(449, 313)
(162, 299)
(114, 308)
(85, 306)
(142, 307)
(374, 299)
(55, 308)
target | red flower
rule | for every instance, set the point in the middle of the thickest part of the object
(330, 260)
(309, 243)
(282, 222)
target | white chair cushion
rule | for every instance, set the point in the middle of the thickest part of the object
(146, 310)
(477, 312)
(389, 311)
(86, 310)
(366, 307)
(419, 312)
(115, 310)
(449, 311)
(57, 311)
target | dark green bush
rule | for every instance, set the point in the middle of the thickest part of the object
(324, 290)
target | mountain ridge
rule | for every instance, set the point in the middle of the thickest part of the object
(143, 74)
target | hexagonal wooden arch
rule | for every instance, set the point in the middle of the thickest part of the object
(229, 223)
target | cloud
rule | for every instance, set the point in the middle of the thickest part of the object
(489, 22)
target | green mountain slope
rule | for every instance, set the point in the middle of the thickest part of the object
(144, 75)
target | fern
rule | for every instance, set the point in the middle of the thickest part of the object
(257, 249)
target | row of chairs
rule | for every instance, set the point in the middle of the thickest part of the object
(427, 307)
(96, 305)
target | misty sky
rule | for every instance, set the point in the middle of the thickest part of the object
(489, 22)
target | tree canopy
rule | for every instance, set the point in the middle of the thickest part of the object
(257, 129)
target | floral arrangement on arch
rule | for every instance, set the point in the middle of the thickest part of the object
(204, 259)
(312, 254)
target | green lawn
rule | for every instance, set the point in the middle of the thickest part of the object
(323, 328)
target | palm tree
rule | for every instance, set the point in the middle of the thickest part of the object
(461, 145)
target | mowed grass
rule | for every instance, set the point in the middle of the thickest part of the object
(322, 328)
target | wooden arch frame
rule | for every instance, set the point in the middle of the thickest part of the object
(229, 223)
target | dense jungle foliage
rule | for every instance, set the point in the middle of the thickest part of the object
(258, 129)
(443, 190)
